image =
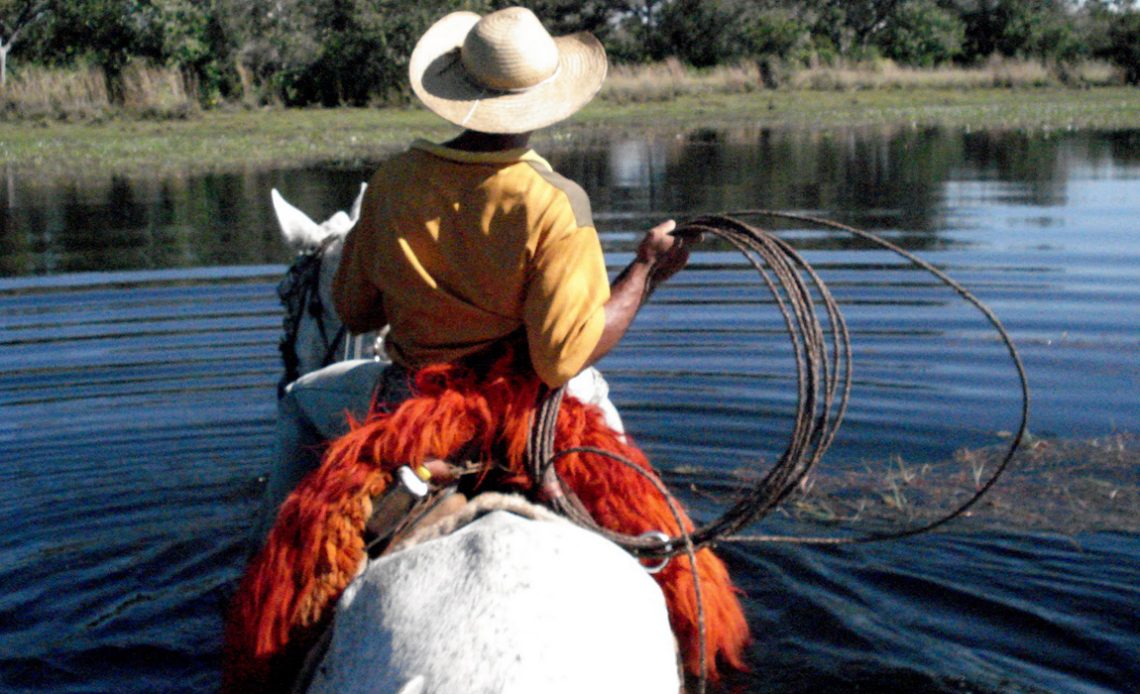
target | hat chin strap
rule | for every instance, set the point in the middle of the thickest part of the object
(471, 112)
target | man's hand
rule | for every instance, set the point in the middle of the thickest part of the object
(664, 253)
(659, 256)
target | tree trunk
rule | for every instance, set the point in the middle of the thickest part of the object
(4, 63)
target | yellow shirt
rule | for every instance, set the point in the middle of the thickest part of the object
(457, 250)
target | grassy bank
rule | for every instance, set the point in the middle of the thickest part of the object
(240, 139)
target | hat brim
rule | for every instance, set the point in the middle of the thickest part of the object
(440, 81)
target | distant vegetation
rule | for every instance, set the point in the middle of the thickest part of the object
(244, 140)
(670, 78)
(74, 59)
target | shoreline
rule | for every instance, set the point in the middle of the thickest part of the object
(238, 140)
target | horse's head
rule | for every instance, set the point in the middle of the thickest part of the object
(314, 336)
(302, 233)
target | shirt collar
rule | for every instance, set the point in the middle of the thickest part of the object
(505, 156)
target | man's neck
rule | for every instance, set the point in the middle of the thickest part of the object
(475, 141)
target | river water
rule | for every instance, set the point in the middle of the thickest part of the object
(138, 330)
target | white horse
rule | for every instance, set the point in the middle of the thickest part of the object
(514, 600)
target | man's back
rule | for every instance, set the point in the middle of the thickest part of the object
(462, 249)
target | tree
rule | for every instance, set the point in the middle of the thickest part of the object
(1018, 28)
(774, 38)
(332, 52)
(103, 33)
(921, 33)
(15, 15)
(850, 26)
(699, 32)
(1124, 44)
(363, 48)
(271, 41)
(705, 33)
(190, 35)
(599, 17)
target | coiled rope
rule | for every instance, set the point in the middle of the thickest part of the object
(823, 377)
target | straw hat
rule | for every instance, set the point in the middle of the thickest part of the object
(503, 73)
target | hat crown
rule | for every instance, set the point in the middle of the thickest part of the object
(509, 50)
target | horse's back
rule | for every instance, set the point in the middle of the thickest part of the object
(504, 604)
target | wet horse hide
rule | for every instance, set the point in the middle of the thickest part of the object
(508, 602)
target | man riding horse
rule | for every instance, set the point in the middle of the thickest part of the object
(487, 267)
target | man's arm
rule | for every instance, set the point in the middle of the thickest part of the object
(357, 300)
(659, 256)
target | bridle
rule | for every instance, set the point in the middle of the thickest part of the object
(299, 292)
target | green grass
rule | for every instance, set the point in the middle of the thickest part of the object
(238, 140)
(1033, 109)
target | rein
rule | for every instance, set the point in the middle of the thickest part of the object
(299, 292)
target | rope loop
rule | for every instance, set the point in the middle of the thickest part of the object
(821, 346)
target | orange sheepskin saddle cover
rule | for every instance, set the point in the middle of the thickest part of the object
(314, 550)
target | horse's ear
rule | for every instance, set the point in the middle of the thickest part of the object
(296, 226)
(355, 213)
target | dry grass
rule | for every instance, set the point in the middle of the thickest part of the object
(1060, 485)
(885, 74)
(65, 94)
(670, 79)
(998, 72)
(158, 92)
(71, 94)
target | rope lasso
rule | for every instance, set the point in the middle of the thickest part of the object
(823, 378)
(1007, 341)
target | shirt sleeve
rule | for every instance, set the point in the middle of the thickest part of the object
(564, 309)
(357, 299)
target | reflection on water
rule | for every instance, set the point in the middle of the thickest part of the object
(904, 180)
(138, 331)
